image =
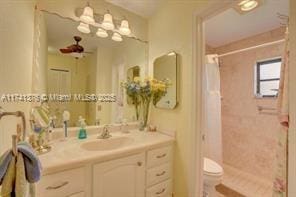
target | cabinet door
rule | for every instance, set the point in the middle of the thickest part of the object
(121, 177)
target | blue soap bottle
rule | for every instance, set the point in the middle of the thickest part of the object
(82, 131)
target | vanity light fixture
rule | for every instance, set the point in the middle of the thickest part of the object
(248, 5)
(116, 37)
(87, 19)
(84, 28)
(88, 15)
(108, 22)
(102, 33)
(124, 28)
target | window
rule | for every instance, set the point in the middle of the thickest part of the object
(268, 77)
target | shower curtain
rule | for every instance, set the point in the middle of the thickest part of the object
(280, 178)
(212, 110)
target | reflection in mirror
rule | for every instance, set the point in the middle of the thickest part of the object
(166, 67)
(97, 66)
(131, 74)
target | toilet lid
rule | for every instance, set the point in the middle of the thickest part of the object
(212, 167)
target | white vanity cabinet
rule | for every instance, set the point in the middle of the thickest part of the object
(159, 172)
(144, 174)
(123, 177)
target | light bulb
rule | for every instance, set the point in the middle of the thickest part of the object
(124, 28)
(84, 28)
(117, 37)
(88, 15)
(108, 22)
(102, 33)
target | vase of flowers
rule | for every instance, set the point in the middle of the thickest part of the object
(143, 93)
(132, 91)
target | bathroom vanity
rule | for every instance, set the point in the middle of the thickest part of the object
(134, 164)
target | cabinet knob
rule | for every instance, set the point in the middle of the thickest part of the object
(139, 163)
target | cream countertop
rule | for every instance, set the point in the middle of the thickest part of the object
(68, 154)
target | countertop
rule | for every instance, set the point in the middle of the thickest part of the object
(69, 154)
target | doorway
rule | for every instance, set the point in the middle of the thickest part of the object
(200, 60)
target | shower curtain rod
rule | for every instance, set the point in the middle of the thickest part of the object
(253, 47)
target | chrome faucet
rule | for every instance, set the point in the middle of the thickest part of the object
(106, 133)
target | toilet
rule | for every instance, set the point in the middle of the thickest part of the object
(212, 173)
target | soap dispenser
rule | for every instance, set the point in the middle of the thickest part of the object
(82, 131)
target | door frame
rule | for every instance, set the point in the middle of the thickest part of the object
(213, 8)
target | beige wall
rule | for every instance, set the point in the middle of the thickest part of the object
(249, 138)
(16, 52)
(171, 28)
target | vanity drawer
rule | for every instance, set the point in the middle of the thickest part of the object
(159, 156)
(163, 189)
(158, 174)
(61, 184)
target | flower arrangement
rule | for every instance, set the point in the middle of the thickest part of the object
(143, 92)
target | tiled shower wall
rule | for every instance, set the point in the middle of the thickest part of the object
(249, 138)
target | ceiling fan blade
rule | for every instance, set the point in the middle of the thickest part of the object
(68, 50)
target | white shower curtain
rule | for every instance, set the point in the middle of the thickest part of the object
(212, 110)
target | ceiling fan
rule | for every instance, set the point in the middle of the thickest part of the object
(75, 49)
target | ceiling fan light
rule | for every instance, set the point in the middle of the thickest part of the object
(88, 15)
(84, 28)
(102, 33)
(124, 28)
(243, 2)
(108, 22)
(77, 55)
(116, 37)
(248, 5)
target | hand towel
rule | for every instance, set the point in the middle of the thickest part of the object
(4, 163)
(8, 183)
(31, 161)
(21, 184)
(17, 174)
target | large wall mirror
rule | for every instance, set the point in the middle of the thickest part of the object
(99, 69)
(166, 67)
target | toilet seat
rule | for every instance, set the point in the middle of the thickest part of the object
(212, 168)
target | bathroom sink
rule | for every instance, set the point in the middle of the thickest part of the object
(107, 144)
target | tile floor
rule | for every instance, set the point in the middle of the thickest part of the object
(236, 183)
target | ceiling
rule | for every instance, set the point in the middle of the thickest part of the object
(144, 8)
(231, 26)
